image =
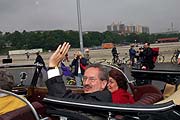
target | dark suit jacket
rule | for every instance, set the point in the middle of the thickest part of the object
(40, 60)
(56, 88)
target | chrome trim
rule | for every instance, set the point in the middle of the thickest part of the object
(24, 100)
(157, 71)
(112, 107)
(118, 70)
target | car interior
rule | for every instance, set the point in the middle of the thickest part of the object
(42, 107)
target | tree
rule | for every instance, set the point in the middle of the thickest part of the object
(92, 39)
(73, 38)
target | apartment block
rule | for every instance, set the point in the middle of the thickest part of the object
(122, 28)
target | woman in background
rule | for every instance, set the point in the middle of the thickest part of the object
(118, 87)
(79, 64)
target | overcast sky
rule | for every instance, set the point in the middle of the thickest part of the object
(31, 15)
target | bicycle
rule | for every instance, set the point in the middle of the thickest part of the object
(126, 60)
(174, 58)
(160, 58)
(116, 59)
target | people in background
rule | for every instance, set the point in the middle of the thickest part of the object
(39, 60)
(95, 80)
(140, 52)
(66, 58)
(8, 56)
(147, 57)
(39, 73)
(79, 64)
(132, 54)
(87, 55)
(117, 85)
(114, 53)
(7, 102)
(27, 55)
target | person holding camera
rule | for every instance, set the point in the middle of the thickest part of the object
(79, 64)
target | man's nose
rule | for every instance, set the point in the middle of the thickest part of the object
(86, 82)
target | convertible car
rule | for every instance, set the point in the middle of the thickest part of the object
(150, 101)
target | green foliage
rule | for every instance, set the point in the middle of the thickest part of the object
(73, 38)
(49, 40)
(92, 39)
(113, 37)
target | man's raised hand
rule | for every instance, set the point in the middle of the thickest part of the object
(59, 54)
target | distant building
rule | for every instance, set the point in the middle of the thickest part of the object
(165, 40)
(122, 28)
(145, 29)
(131, 29)
(139, 29)
(109, 28)
(115, 28)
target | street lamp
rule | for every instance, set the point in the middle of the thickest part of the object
(135, 42)
(79, 25)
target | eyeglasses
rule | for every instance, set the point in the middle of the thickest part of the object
(89, 78)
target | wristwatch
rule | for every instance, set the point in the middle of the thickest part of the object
(49, 68)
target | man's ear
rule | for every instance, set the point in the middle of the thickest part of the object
(104, 84)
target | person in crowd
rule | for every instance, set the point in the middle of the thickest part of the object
(79, 64)
(95, 80)
(7, 102)
(117, 85)
(114, 53)
(67, 74)
(140, 52)
(148, 57)
(39, 73)
(39, 60)
(8, 56)
(66, 70)
(132, 54)
(87, 55)
(66, 58)
(139, 58)
(27, 55)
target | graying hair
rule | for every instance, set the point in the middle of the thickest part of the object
(103, 72)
